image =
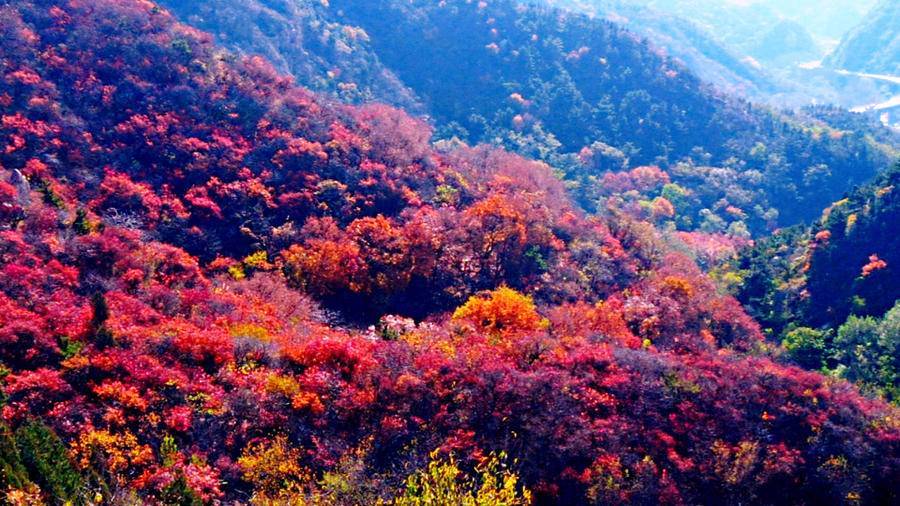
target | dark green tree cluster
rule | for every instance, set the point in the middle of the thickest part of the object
(33, 455)
(854, 265)
(829, 293)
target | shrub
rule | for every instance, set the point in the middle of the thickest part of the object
(442, 482)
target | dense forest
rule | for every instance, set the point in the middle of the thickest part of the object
(301, 38)
(548, 83)
(219, 287)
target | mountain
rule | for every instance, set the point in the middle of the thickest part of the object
(874, 45)
(741, 24)
(701, 52)
(783, 42)
(787, 41)
(552, 83)
(192, 250)
(826, 21)
(555, 85)
(853, 263)
(831, 269)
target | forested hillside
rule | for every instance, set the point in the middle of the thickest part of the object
(564, 88)
(684, 39)
(192, 250)
(769, 51)
(830, 291)
(301, 38)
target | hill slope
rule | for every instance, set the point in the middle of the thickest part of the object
(830, 291)
(169, 210)
(684, 40)
(302, 39)
(740, 25)
(550, 83)
(784, 42)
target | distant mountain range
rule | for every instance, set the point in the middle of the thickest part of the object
(764, 50)
(709, 57)
(743, 24)
(874, 45)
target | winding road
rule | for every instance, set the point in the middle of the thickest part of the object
(881, 106)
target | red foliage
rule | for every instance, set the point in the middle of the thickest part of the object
(875, 264)
(640, 179)
(122, 328)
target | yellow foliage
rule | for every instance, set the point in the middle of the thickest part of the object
(29, 496)
(258, 261)
(731, 281)
(236, 272)
(607, 480)
(284, 385)
(851, 222)
(442, 483)
(250, 330)
(678, 287)
(503, 311)
(274, 469)
(734, 464)
(204, 403)
(115, 452)
(827, 213)
(290, 388)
